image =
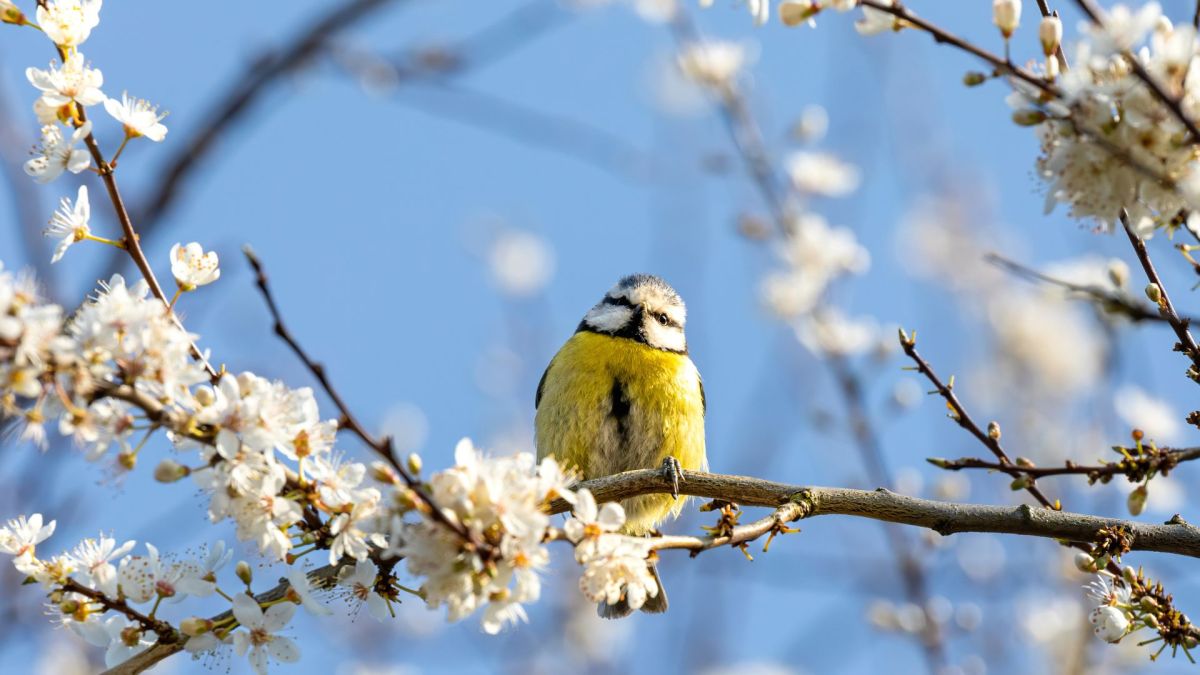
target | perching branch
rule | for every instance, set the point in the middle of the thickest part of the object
(945, 518)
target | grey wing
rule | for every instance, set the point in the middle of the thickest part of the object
(703, 398)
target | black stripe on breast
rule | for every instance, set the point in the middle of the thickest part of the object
(620, 410)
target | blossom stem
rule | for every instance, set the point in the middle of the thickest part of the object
(119, 243)
(121, 148)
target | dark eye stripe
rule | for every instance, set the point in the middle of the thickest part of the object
(621, 301)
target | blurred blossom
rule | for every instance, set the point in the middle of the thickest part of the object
(830, 332)
(407, 425)
(812, 124)
(822, 174)
(669, 90)
(1088, 270)
(521, 262)
(906, 393)
(937, 241)
(981, 556)
(1046, 345)
(1152, 415)
(714, 63)
(952, 487)
(815, 255)
(968, 616)
(939, 609)
(882, 615)
(910, 618)
(1050, 619)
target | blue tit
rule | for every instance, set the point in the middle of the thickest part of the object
(622, 394)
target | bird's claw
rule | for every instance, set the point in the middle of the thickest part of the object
(673, 473)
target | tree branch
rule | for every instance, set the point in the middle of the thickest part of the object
(1159, 459)
(1186, 344)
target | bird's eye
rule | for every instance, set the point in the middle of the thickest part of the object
(664, 319)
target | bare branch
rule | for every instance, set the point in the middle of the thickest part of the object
(1187, 344)
(1154, 460)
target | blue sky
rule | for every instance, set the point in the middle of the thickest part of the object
(371, 213)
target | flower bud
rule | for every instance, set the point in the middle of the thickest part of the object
(384, 473)
(1151, 621)
(1129, 574)
(1154, 293)
(194, 626)
(1007, 16)
(1025, 463)
(1050, 33)
(127, 460)
(10, 14)
(69, 606)
(244, 572)
(796, 12)
(1028, 118)
(994, 430)
(169, 471)
(1148, 603)
(1021, 483)
(974, 78)
(1118, 273)
(414, 463)
(1084, 562)
(1137, 500)
(204, 396)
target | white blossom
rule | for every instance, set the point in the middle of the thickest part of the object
(70, 223)
(21, 535)
(822, 174)
(122, 638)
(1006, 14)
(95, 558)
(139, 117)
(875, 21)
(193, 267)
(713, 63)
(72, 82)
(258, 632)
(360, 579)
(68, 22)
(303, 591)
(56, 154)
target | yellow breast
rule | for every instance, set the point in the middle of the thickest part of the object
(609, 404)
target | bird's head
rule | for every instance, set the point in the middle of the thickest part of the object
(641, 307)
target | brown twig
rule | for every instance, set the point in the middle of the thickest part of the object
(961, 416)
(1186, 344)
(1109, 301)
(943, 36)
(165, 632)
(381, 446)
(1159, 459)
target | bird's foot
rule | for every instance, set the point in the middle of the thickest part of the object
(673, 473)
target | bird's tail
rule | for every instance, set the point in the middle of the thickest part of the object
(654, 605)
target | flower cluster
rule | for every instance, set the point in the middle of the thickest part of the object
(501, 503)
(1110, 143)
(98, 588)
(615, 565)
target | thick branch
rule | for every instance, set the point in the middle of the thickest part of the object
(943, 517)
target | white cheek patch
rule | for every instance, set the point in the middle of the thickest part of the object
(608, 318)
(665, 337)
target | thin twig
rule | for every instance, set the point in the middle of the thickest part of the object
(1108, 300)
(1163, 459)
(1186, 344)
(382, 446)
(962, 417)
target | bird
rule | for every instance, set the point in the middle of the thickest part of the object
(621, 394)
